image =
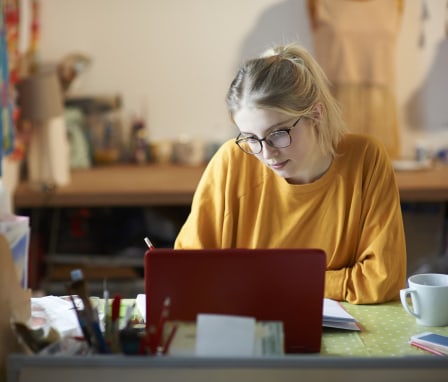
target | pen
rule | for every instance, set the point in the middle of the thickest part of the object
(166, 346)
(82, 322)
(106, 309)
(89, 316)
(101, 342)
(79, 287)
(128, 316)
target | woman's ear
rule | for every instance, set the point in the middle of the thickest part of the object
(317, 112)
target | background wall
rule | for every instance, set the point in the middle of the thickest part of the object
(172, 60)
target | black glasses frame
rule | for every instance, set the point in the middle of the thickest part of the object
(240, 141)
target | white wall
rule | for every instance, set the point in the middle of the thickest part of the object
(172, 60)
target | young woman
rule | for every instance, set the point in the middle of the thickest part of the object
(294, 178)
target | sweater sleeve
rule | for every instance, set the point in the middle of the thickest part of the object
(379, 267)
(205, 224)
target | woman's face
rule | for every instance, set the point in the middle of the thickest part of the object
(299, 161)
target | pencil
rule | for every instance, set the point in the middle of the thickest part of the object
(148, 243)
(166, 346)
(163, 317)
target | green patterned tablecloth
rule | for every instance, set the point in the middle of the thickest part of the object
(386, 329)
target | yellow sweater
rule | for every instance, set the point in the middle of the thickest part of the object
(352, 212)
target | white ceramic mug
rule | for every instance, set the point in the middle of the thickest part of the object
(429, 296)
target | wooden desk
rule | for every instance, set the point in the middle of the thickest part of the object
(127, 185)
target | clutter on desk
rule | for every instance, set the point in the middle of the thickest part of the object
(62, 323)
(188, 151)
(53, 328)
(411, 164)
(138, 150)
(161, 151)
(88, 316)
(96, 121)
(80, 156)
(112, 138)
(428, 153)
(78, 324)
(57, 313)
(35, 340)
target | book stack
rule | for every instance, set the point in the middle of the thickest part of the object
(431, 342)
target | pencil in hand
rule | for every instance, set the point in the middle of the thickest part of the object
(148, 243)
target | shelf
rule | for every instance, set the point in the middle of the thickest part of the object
(111, 261)
(126, 288)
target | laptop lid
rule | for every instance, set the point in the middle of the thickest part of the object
(268, 284)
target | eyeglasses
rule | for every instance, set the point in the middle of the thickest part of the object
(278, 139)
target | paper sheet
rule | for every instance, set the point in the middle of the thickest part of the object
(223, 335)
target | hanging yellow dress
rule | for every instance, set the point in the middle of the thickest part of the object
(354, 42)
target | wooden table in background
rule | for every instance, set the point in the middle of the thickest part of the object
(425, 185)
(118, 185)
(131, 185)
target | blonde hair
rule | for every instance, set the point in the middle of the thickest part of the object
(289, 80)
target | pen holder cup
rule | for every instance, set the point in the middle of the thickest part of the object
(131, 340)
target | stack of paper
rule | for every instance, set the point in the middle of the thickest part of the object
(431, 342)
(335, 316)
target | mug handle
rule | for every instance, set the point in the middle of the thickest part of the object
(403, 297)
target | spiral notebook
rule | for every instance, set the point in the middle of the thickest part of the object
(268, 284)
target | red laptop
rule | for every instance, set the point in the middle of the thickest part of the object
(268, 284)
